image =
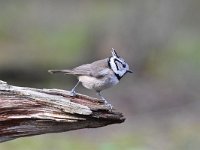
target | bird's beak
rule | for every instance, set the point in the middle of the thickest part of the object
(129, 71)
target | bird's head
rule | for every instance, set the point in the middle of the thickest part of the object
(118, 65)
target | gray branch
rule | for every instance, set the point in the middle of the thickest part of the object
(28, 111)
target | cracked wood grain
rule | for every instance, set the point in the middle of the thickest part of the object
(29, 111)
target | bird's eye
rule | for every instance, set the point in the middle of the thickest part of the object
(124, 65)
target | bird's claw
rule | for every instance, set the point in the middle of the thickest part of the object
(107, 104)
(110, 106)
(72, 93)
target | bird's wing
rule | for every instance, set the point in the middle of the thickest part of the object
(82, 70)
(102, 73)
(96, 69)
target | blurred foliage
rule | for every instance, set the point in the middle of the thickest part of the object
(47, 143)
(159, 40)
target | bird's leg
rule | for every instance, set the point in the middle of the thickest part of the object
(105, 101)
(72, 92)
(99, 94)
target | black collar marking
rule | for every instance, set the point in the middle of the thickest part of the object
(118, 77)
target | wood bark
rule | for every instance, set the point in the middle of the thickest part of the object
(29, 111)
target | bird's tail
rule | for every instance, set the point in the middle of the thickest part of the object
(60, 71)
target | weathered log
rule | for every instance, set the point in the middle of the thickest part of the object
(29, 111)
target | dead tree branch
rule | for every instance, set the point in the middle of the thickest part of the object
(28, 111)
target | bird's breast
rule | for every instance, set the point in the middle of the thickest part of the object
(98, 84)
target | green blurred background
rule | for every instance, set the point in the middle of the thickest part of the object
(160, 39)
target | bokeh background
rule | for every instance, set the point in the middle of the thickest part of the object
(160, 39)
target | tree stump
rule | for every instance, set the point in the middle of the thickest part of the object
(28, 111)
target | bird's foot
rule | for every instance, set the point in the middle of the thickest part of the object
(105, 101)
(72, 93)
(110, 106)
(107, 104)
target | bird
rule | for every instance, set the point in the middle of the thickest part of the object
(98, 75)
